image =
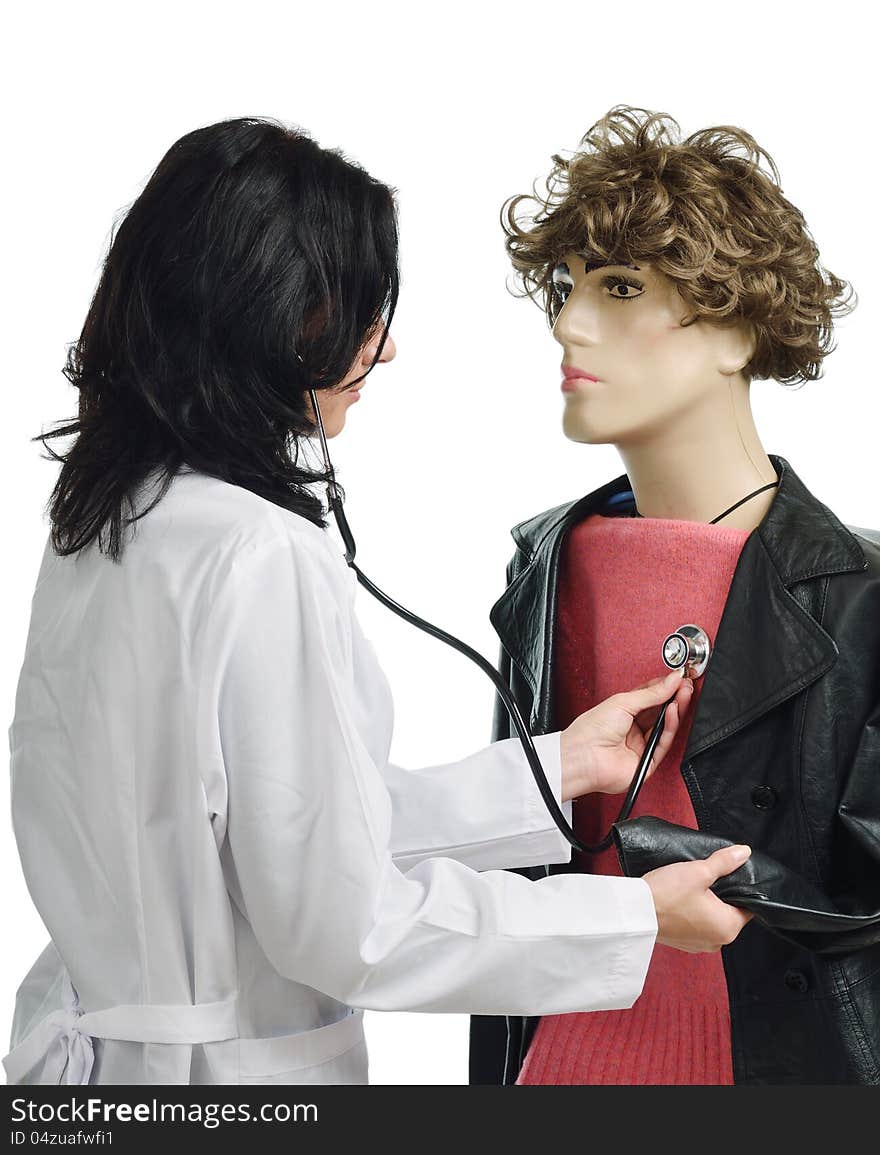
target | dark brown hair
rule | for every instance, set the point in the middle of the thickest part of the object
(701, 211)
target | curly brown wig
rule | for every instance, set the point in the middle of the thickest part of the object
(701, 211)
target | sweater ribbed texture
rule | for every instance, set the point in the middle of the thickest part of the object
(624, 584)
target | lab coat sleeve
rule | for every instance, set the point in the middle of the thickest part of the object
(308, 836)
(484, 810)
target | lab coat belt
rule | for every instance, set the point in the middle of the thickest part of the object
(295, 1052)
(62, 1040)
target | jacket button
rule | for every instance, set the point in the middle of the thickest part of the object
(796, 981)
(763, 797)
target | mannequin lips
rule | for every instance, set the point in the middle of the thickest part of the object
(570, 377)
(572, 373)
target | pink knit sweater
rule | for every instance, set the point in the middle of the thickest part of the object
(624, 584)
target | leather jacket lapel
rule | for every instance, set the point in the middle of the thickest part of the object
(768, 646)
(524, 616)
(767, 649)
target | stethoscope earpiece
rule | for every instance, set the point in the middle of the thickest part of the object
(688, 646)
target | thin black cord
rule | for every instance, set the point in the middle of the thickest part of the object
(737, 504)
(743, 500)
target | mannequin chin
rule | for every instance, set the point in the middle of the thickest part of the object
(593, 415)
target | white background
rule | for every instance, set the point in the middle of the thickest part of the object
(458, 107)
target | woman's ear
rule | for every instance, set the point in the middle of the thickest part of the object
(736, 347)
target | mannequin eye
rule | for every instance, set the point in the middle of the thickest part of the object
(623, 288)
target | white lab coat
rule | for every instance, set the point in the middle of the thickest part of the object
(224, 858)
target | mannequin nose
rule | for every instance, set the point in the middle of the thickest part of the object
(577, 324)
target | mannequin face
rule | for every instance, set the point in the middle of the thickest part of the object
(621, 324)
(335, 403)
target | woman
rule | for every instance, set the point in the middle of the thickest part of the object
(675, 274)
(204, 808)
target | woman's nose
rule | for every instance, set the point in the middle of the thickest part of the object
(389, 351)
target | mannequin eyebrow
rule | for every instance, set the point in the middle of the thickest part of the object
(590, 265)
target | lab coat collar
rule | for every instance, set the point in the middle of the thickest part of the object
(768, 646)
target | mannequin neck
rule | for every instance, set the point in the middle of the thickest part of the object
(701, 465)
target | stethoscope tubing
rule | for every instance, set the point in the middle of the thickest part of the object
(489, 670)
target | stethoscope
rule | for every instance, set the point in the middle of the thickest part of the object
(688, 647)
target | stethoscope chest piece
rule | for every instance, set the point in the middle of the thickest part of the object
(689, 646)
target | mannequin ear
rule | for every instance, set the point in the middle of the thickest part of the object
(736, 347)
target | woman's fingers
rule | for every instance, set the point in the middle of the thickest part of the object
(652, 693)
(644, 723)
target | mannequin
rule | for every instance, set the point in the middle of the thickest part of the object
(674, 274)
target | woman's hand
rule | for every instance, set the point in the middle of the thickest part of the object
(601, 748)
(689, 916)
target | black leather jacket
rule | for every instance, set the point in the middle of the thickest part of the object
(783, 754)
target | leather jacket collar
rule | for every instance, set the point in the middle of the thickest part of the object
(798, 539)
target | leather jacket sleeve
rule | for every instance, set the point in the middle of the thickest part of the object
(835, 920)
(501, 725)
